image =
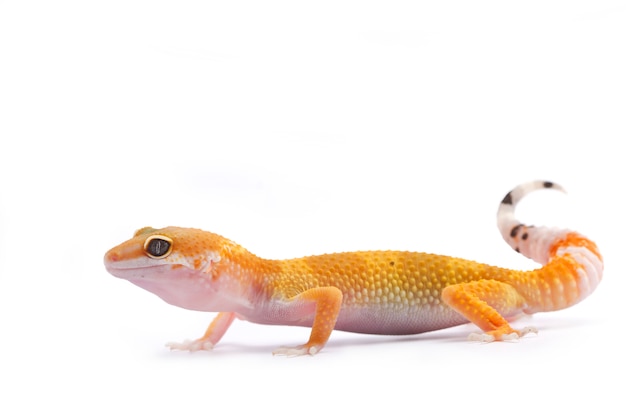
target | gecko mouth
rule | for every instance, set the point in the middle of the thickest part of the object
(134, 272)
(173, 273)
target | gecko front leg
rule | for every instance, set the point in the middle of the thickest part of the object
(327, 302)
(213, 334)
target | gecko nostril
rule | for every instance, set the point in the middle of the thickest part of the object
(111, 256)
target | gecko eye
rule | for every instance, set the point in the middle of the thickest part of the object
(158, 246)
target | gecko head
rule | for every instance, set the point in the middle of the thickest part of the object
(177, 264)
(156, 251)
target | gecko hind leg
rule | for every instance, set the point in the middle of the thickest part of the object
(483, 302)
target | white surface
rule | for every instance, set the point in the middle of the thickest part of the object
(296, 130)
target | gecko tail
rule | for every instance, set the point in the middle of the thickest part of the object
(532, 242)
(574, 252)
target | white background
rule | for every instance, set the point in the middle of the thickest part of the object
(294, 129)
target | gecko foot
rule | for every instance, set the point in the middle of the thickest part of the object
(297, 351)
(191, 345)
(503, 335)
(480, 337)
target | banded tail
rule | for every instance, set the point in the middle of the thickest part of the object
(573, 265)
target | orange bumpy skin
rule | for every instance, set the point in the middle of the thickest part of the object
(377, 292)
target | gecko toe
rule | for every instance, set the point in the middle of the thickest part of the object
(501, 335)
(510, 336)
(480, 337)
(527, 330)
(191, 345)
(297, 351)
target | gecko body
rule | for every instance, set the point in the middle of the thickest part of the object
(375, 292)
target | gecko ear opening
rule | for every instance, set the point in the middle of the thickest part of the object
(158, 246)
